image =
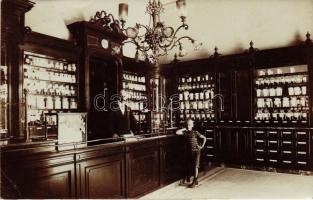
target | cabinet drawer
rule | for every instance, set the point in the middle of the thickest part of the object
(302, 164)
(286, 135)
(259, 135)
(260, 160)
(209, 149)
(272, 135)
(302, 135)
(302, 155)
(209, 133)
(209, 155)
(287, 163)
(260, 143)
(302, 146)
(273, 152)
(273, 144)
(259, 153)
(287, 145)
(273, 161)
(287, 153)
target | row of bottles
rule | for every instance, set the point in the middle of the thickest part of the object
(282, 115)
(206, 94)
(128, 76)
(282, 94)
(137, 105)
(196, 78)
(135, 90)
(196, 97)
(48, 88)
(197, 82)
(37, 60)
(278, 71)
(285, 102)
(51, 86)
(45, 75)
(281, 80)
(134, 86)
(136, 96)
(50, 103)
(279, 91)
(197, 115)
(196, 105)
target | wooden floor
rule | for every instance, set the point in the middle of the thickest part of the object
(226, 183)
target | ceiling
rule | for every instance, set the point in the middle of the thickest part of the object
(228, 24)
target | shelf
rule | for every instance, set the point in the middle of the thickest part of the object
(196, 89)
(289, 96)
(54, 110)
(62, 71)
(281, 75)
(36, 55)
(275, 85)
(203, 111)
(135, 82)
(53, 95)
(272, 108)
(59, 82)
(281, 121)
(133, 90)
(192, 82)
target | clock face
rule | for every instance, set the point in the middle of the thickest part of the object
(105, 43)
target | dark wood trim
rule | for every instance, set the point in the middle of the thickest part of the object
(115, 170)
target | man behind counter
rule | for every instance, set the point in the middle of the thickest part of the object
(122, 122)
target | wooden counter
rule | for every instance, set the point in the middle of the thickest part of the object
(113, 170)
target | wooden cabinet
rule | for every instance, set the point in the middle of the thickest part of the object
(116, 170)
(302, 149)
(211, 147)
(282, 148)
(233, 145)
(142, 169)
(53, 182)
(172, 158)
(41, 176)
(101, 174)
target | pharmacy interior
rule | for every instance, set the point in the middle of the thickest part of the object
(57, 96)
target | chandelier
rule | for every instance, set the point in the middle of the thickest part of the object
(157, 39)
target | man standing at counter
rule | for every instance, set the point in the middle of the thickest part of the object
(193, 150)
(121, 120)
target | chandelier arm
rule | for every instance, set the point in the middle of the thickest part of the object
(140, 48)
(178, 41)
(172, 39)
(147, 28)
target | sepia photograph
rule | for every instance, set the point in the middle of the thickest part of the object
(156, 99)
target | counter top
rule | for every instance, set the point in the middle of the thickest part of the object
(53, 146)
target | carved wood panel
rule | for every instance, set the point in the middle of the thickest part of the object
(54, 182)
(143, 171)
(101, 178)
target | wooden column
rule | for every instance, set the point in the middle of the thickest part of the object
(12, 33)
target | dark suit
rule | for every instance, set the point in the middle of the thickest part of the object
(122, 123)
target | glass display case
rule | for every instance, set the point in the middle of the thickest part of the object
(196, 94)
(3, 98)
(50, 85)
(281, 95)
(135, 88)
